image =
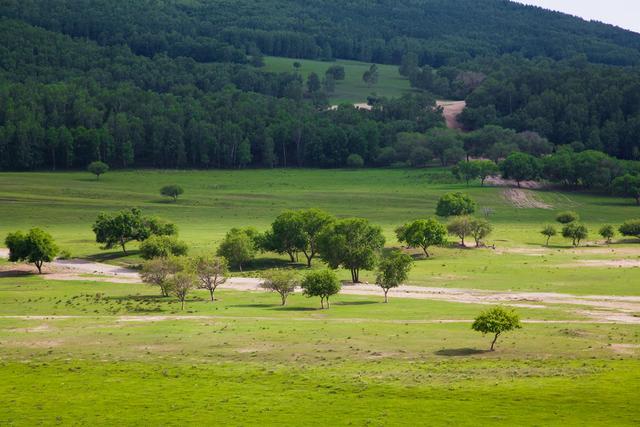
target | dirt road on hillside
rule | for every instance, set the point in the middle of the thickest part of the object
(451, 111)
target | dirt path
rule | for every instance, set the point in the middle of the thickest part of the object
(164, 318)
(451, 111)
(524, 199)
(619, 309)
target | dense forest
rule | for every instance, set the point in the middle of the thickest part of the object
(440, 31)
(160, 83)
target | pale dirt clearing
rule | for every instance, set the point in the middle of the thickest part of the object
(451, 110)
(524, 199)
(616, 263)
(151, 319)
(601, 307)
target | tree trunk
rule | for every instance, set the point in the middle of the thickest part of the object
(386, 291)
(123, 247)
(182, 307)
(293, 259)
(493, 343)
(39, 266)
(322, 302)
(327, 298)
(284, 299)
(426, 253)
(211, 290)
(548, 238)
(240, 266)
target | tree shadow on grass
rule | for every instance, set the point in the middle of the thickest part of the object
(254, 306)
(17, 273)
(287, 308)
(111, 256)
(356, 303)
(458, 352)
(138, 298)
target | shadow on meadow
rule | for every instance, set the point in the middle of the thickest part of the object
(459, 352)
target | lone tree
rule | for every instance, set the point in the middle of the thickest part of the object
(162, 246)
(630, 228)
(393, 270)
(460, 227)
(98, 168)
(627, 186)
(422, 233)
(479, 229)
(283, 282)
(496, 321)
(466, 171)
(158, 271)
(370, 77)
(567, 217)
(352, 243)
(323, 284)
(336, 72)
(172, 190)
(211, 272)
(455, 204)
(607, 232)
(238, 247)
(575, 232)
(521, 167)
(486, 169)
(181, 284)
(36, 247)
(549, 231)
(128, 225)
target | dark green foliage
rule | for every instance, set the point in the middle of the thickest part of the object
(422, 233)
(393, 269)
(355, 161)
(128, 225)
(172, 191)
(37, 247)
(336, 72)
(162, 246)
(630, 228)
(607, 232)
(576, 232)
(98, 168)
(285, 237)
(455, 204)
(567, 217)
(353, 244)
(461, 227)
(627, 186)
(238, 246)
(521, 167)
(322, 283)
(496, 321)
(548, 231)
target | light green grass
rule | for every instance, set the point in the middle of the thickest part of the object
(66, 204)
(352, 89)
(253, 363)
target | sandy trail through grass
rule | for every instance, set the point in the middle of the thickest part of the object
(617, 309)
(451, 110)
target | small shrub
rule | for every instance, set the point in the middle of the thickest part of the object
(162, 247)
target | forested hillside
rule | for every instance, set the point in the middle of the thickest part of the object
(440, 31)
(180, 83)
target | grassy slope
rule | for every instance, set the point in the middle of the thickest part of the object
(360, 363)
(352, 89)
(66, 204)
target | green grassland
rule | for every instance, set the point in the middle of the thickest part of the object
(96, 353)
(352, 89)
(244, 360)
(66, 204)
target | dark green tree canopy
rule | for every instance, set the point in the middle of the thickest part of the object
(353, 244)
(422, 233)
(37, 247)
(455, 204)
(496, 321)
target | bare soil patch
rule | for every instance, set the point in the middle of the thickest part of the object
(618, 263)
(524, 199)
(451, 111)
(496, 181)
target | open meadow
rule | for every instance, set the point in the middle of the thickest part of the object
(352, 89)
(99, 350)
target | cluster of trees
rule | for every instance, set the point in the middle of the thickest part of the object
(120, 228)
(591, 107)
(575, 231)
(75, 103)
